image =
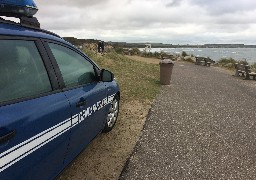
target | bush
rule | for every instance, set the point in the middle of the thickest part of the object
(147, 54)
(188, 59)
(224, 61)
(230, 62)
(184, 54)
(135, 51)
(227, 63)
(253, 67)
(157, 54)
(163, 54)
(244, 62)
(119, 50)
(144, 54)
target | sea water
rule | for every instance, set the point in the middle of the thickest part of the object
(248, 54)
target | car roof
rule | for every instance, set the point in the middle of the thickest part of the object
(14, 29)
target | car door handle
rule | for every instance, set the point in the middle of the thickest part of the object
(81, 103)
(7, 136)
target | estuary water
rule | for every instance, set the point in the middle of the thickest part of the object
(216, 54)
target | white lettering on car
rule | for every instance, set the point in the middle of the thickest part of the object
(92, 109)
(18, 152)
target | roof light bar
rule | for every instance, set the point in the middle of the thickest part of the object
(18, 8)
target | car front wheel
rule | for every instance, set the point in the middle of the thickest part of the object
(112, 115)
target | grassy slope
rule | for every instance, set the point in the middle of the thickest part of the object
(137, 80)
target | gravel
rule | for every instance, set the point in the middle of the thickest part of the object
(202, 126)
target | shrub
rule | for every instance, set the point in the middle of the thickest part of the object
(230, 62)
(224, 61)
(163, 54)
(229, 65)
(188, 59)
(157, 54)
(144, 54)
(184, 54)
(242, 62)
(119, 50)
(135, 51)
(253, 67)
(227, 62)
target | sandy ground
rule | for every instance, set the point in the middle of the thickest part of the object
(105, 157)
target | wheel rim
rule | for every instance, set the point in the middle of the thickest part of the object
(113, 113)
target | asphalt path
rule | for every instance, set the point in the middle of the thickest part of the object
(202, 126)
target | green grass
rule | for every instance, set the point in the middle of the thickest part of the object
(137, 80)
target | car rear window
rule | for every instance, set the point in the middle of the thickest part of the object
(22, 72)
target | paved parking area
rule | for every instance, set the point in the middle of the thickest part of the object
(202, 126)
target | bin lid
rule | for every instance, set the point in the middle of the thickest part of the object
(166, 61)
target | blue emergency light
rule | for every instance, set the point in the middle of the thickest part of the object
(17, 8)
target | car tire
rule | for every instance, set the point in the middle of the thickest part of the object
(112, 115)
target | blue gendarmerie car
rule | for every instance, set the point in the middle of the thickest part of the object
(54, 100)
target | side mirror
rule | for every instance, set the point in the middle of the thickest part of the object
(106, 76)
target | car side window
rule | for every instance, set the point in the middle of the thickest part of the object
(75, 69)
(22, 72)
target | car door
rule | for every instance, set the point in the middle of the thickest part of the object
(85, 93)
(34, 115)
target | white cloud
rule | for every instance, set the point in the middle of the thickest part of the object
(168, 21)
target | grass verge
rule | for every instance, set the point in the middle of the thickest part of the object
(137, 80)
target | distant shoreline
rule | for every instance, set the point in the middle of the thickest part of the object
(160, 45)
(215, 54)
(78, 42)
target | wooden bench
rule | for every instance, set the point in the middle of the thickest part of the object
(249, 73)
(240, 69)
(167, 56)
(204, 61)
(245, 71)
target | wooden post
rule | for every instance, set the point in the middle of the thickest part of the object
(236, 66)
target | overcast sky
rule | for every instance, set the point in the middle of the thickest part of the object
(166, 21)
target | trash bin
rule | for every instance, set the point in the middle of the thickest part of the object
(166, 67)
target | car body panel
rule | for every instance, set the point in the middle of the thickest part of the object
(17, 30)
(49, 129)
(38, 145)
(87, 120)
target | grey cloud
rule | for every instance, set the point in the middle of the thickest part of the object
(219, 7)
(155, 20)
(174, 3)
